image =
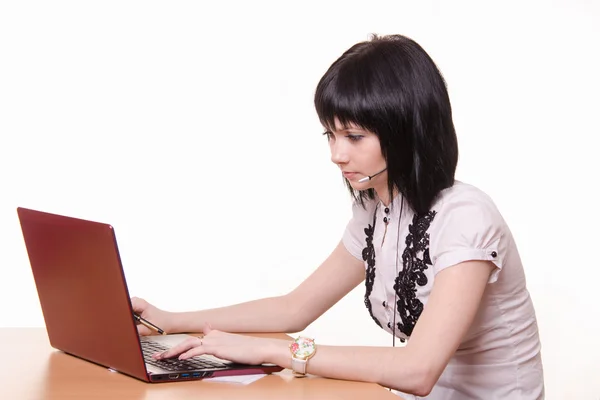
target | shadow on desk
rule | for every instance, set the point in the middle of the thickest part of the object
(68, 377)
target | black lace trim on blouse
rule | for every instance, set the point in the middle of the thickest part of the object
(368, 255)
(417, 245)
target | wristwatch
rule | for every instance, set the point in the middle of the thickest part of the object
(302, 350)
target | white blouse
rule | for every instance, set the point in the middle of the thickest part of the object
(499, 358)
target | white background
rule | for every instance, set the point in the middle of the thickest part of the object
(189, 126)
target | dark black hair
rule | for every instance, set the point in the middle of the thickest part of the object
(390, 86)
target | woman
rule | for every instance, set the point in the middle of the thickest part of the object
(442, 268)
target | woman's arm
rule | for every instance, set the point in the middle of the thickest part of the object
(337, 275)
(415, 369)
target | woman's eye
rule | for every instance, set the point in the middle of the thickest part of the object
(354, 138)
(328, 135)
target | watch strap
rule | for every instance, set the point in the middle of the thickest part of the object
(298, 367)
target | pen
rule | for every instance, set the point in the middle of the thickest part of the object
(148, 324)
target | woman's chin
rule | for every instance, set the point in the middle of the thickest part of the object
(359, 186)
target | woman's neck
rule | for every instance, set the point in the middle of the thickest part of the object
(384, 195)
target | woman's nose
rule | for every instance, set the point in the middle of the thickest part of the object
(339, 155)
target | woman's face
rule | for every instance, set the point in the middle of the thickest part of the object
(358, 154)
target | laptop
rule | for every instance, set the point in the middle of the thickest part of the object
(87, 308)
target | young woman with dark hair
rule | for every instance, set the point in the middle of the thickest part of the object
(442, 271)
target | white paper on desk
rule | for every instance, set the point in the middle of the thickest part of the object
(241, 379)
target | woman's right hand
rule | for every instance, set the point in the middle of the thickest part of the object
(162, 319)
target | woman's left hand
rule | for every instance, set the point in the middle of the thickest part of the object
(237, 348)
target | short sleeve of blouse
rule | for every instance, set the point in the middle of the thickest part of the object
(354, 235)
(469, 227)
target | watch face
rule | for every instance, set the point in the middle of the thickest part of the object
(303, 347)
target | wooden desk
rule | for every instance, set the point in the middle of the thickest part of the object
(32, 370)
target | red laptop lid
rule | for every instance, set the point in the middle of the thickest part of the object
(82, 290)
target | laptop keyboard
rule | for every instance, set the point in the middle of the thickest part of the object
(174, 364)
